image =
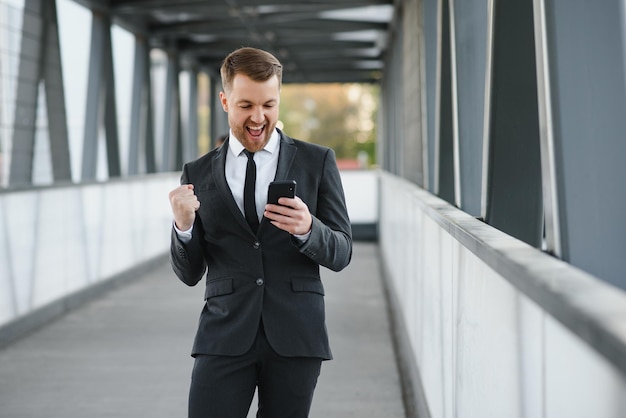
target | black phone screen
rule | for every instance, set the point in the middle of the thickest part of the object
(280, 189)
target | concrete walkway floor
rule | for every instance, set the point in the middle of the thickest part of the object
(127, 353)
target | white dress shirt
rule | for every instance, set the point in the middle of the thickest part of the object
(266, 161)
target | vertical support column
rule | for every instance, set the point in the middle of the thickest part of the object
(215, 109)
(191, 148)
(485, 182)
(394, 108)
(454, 100)
(546, 132)
(26, 95)
(385, 121)
(382, 148)
(429, 8)
(141, 152)
(110, 110)
(40, 60)
(412, 69)
(587, 73)
(172, 144)
(149, 148)
(388, 90)
(514, 203)
(55, 95)
(444, 136)
(100, 107)
(398, 108)
(219, 118)
(137, 114)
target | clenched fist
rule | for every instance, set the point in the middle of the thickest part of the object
(184, 206)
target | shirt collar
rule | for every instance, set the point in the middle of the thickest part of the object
(237, 148)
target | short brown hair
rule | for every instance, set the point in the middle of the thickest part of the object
(255, 63)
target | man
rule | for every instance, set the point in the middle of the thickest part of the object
(263, 321)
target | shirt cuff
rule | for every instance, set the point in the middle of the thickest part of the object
(302, 238)
(184, 236)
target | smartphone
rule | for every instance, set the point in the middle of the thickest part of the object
(279, 189)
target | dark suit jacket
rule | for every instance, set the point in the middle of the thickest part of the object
(269, 275)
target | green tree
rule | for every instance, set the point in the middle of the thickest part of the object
(339, 116)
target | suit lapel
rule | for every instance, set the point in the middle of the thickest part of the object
(286, 156)
(219, 174)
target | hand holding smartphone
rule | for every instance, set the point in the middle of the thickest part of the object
(278, 189)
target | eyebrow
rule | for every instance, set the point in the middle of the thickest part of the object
(242, 101)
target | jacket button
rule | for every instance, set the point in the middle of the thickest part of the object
(256, 245)
(259, 282)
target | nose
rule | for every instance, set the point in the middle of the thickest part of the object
(257, 115)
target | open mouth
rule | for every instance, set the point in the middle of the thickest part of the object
(255, 132)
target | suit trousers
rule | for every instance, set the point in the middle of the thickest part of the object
(223, 386)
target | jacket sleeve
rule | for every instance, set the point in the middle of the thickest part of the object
(187, 259)
(330, 242)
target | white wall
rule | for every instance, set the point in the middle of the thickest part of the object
(55, 241)
(483, 347)
(58, 240)
(361, 190)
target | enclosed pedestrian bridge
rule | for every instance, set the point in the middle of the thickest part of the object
(488, 276)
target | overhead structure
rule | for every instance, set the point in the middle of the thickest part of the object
(317, 41)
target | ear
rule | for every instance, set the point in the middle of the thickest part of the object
(224, 101)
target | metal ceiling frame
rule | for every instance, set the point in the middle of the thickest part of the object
(317, 41)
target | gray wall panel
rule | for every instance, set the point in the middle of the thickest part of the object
(471, 48)
(589, 108)
(514, 186)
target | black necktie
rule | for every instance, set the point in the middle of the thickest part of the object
(249, 205)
